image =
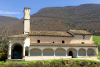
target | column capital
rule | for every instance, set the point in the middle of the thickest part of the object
(77, 49)
(86, 49)
(23, 41)
(10, 41)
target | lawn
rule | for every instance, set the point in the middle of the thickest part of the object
(51, 63)
(96, 38)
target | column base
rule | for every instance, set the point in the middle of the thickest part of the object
(9, 56)
(23, 57)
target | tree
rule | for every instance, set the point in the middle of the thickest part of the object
(3, 51)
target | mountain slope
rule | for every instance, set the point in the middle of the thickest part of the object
(86, 17)
(5, 20)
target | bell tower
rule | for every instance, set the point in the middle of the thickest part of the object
(26, 20)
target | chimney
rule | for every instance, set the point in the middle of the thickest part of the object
(26, 20)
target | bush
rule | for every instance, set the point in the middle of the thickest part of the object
(61, 63)
(3, 51)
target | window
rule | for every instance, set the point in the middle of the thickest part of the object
(52, 42)
(83, 36)
(63, 41)
(82, 42)
(38, 41)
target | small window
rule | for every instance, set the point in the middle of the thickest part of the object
(38, 41)
(83, 36)
(82, 42)
(63, 41)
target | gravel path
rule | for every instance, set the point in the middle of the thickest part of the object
(89, 58)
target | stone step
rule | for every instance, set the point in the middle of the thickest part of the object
(14, 60)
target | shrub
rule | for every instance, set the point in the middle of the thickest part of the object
(85, 63)
(13, 64)
(39, 64)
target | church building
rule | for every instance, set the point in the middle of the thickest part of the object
(44, 45)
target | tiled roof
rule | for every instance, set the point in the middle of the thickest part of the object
(50, 33)
(80, 32)
(62, 44)
(18, 36)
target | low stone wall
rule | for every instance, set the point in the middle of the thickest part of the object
(30, 58)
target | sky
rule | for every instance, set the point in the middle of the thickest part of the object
(15, 7)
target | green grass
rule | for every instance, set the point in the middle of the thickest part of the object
(96, 38)
(83, 60)
(45, 61)
(25, 62)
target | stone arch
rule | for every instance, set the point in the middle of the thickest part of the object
(60, 52)
(91, 52)
(35, 52)
(81, 52)
(16, 51)
(74, 52)
(48, 52)
(14, 43)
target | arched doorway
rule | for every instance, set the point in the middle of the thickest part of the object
(17, 51)
(71, 53)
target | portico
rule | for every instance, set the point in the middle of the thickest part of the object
(62, 51)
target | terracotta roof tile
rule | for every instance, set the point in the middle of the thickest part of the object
(50, 33)
(80, 32)
(61, 44)
(18, 36)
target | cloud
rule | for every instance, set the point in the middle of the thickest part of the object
(7, 12)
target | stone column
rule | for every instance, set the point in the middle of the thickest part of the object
(97, 51)
(23, 51)
(66, 52)
(86, 52)
(28, 52)
(77, 53)
(54, 52)
(41, 52)
(9, 50)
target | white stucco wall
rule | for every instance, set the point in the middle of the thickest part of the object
(78, 39)
(26, 13)
(26, 26)
(27, 42)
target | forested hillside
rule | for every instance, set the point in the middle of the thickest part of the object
(86, 17)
